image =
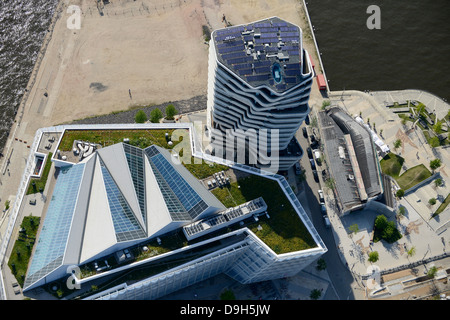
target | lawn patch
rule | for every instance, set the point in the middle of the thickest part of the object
(21, 252)
(38, 184)
(443, 205)
(391, 165)
(413, 176)
(137, 137)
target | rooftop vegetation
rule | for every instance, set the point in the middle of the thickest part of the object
(284, 231)
(38, 184)
(21, 252)
(138, 137)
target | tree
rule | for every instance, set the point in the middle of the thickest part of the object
(329, 183)
(354, 228)
(438, 127)
(385, 230)
(373, 256)
(432, 272)
(325, 104)
(321, 264)
(171, 111)
(400, 193)
(140, 117)
(434, 164)
(381, 222)
(432, 201)
(438, 182)
(401, 211)
(314, 122)
(434, 142)
(397, 144)
(315, 294)
(411, 252)
(155, 115)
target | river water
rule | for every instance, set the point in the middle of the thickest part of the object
(23, 25)
(411, 50)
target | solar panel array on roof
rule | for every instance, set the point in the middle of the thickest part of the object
(245, 72)
(224, 218)
(277, 41)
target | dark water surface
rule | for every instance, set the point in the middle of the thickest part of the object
(410, 51)
(23, 25)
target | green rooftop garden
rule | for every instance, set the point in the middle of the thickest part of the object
(284, 231)
(38, 184)
(137, 137)
(21, 252)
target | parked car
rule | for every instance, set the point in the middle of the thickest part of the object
(317, 156)
(316, 177)
(315, 144)
(327, 222)
(321, 197)
(323, 208)
(298, 169)
(309, 151)
(313, 164)
(305, 132)
(307, 120)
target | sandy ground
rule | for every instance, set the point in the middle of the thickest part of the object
(154, 50)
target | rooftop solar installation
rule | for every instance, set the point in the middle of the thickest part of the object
(262, 44)
(225, 218)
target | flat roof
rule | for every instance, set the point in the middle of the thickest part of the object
(267, 52)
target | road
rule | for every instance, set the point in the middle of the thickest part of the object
(344, 283)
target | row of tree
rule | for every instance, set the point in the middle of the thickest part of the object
(156, 115)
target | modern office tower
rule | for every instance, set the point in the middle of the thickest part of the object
(259, 81)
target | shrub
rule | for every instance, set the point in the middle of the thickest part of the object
(140, 117)
(155, 115)
(321, 264)
(170, 112)
(373, 256)
(434, 164)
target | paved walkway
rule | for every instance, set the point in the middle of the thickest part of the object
(429, 237)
